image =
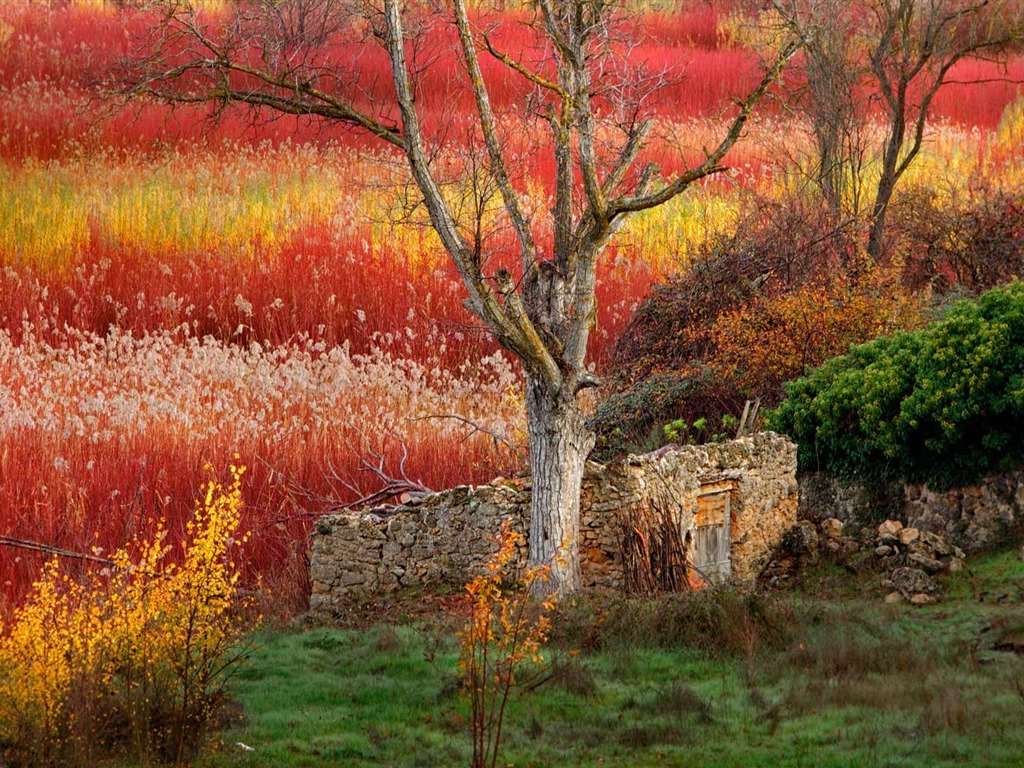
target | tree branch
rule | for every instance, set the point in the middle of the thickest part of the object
(712, 164)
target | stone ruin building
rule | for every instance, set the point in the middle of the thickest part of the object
(648, 523)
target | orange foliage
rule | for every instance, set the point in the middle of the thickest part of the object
(503, 638)
(776, 338)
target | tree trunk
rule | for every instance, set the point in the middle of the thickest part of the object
(879, 216)
(560, 442)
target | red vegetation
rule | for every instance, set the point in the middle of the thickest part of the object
(79, 490)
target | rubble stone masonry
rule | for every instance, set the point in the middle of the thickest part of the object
(447, 537)
(975, 517)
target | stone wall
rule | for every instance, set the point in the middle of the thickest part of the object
(975, 517)
(446, 537)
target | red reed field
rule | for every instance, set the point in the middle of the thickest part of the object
(175, 290)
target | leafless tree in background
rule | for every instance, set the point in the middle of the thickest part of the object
(901, 53)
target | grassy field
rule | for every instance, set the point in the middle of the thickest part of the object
(717, 679)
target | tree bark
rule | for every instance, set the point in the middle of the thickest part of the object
(879, 217)
(560, 442)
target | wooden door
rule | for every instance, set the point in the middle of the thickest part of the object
(711, 542)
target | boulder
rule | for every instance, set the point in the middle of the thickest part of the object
(908, 536)
(912, 581)
(890, 528)
(801, 539)
(938, 545)
(925, 563)
(832, 528)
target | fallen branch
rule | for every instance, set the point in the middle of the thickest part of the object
(401, 486)
(474, 428)
(35, 546)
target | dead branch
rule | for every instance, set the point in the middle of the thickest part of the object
(474, 428)
(46, 549)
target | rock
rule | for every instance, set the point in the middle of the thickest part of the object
(908, 536)
(889, 541)
(911, 581)
(955, 565)
(801, 539)
(937, 544)
(921, 598)
(893, 597)
(884, 550)
(925, 563)
(832, 528)
(890, 528)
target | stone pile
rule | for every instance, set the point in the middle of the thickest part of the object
(910, 559)
(907, 559)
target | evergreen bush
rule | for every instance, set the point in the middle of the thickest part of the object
(942, 405)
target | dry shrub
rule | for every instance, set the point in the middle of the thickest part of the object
(691, 350)
(841, 655)
(777, 246)
(843, 665)
(573, 677)
(964, 243)
(774, 339)
(386, 640)
(677, 699)
(130, 661)
(946, 711)
(718, 621)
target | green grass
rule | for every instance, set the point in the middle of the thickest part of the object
(846, 682)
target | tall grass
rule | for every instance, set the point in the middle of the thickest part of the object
(117, 429)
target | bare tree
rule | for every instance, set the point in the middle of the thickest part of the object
(837, 118)
(281, 56)
(901, 53)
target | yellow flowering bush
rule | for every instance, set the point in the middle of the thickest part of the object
(131, 660)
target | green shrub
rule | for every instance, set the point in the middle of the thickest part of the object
(943, 405)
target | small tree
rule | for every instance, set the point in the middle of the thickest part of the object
(502, 638)
(587, 111)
